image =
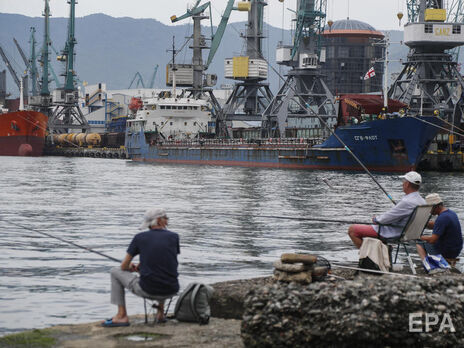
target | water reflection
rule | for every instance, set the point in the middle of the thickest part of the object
(100, 204)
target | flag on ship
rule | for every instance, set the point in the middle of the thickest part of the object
(369, 74)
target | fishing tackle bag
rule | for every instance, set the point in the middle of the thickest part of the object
(193, 304)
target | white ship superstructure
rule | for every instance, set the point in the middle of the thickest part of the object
(174, 118)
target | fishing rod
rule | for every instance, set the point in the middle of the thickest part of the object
(296, 218)
(63, 240)
(308, 109)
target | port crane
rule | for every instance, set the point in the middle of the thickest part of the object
(251, 95)
(304, 96)
(30, 63)
(429, 79)
(18, 82)
(67, 113)
(139, 79)
(201, 83)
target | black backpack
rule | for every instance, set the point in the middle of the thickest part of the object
(193, 304)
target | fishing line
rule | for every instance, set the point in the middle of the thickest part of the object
(334, 264)
(62, 240)
(296, 218)
(308, 109)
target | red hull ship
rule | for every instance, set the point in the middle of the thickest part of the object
(22, 133)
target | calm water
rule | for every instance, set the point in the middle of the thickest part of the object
(100, 204)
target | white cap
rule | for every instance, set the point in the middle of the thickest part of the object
(151, 216)
(433, 198)
(412, 177)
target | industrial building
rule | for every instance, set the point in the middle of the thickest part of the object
(350, 51)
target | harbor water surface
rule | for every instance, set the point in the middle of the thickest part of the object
(99, 204)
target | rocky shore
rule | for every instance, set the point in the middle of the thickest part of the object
(343, 310)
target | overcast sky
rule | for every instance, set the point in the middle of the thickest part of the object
(379, 13)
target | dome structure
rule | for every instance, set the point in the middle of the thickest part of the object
(351, 27)
(350, 53)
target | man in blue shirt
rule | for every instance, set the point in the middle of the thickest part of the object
(158, 249)
(446, 238)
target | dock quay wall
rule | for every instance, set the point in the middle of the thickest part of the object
(96, 152)
(442, 161)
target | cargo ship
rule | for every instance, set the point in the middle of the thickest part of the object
(22, 133)
(168, 130)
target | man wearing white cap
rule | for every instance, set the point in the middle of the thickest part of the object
(397, 216)
(446, 238)
(158, 249)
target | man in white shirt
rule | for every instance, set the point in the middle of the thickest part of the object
(397, 216)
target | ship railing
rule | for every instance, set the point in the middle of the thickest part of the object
(270, 142)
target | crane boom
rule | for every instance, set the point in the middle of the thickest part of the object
(152, 81)
(10, 68)
(217, 37)
(21, 52)
(192, 12)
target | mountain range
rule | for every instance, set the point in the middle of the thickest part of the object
(112, 50)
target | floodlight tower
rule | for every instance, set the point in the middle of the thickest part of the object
(67, 114)
(429, 77)
(251, 95)
(288, 115)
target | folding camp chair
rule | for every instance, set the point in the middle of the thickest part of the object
(154, 303)
(411, 232)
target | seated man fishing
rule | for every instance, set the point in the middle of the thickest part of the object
(158, 249)
(397, 216)
(446, 238)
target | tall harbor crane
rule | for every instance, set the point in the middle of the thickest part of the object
(30, 63)
(67, 113)
(42, 101)
(288, 114)
(251, 95)
(429, 79)
(18, 82)
(201, 83)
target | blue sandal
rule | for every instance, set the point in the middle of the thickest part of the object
(109, 323)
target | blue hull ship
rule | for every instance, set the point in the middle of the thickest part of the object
(385, 145)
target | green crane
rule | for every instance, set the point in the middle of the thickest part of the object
(310, 21)
(33, 63)
(68, 51)
(217, 37)
(45, 60)
(138, 77)
(67, 113)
